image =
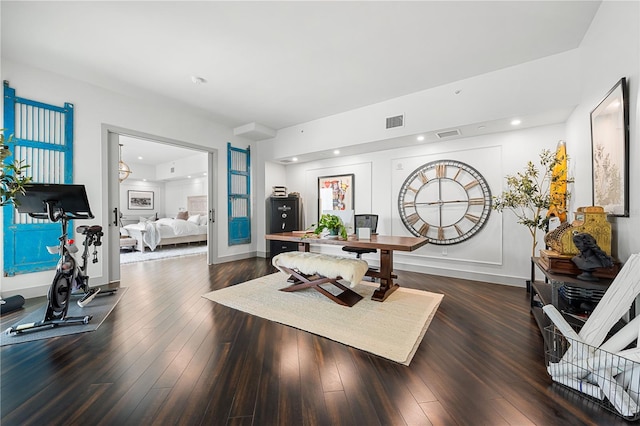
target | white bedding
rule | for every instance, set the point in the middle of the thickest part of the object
(155, 232)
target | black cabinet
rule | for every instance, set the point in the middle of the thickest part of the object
(283, 215)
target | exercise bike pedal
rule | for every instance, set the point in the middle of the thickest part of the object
(88, 297)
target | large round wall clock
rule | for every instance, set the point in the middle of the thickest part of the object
(445, 201)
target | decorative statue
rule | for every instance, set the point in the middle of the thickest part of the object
(591, 256)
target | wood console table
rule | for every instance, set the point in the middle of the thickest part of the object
(384, 243)
(547, 292)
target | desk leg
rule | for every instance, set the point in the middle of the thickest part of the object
(387, 285)
(304, 247)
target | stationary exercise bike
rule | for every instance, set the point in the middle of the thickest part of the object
(61, 203)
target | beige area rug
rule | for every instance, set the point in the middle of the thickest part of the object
(392, 329)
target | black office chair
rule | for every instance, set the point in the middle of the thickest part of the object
(363, 221)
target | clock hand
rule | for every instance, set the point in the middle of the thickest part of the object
(440, 202)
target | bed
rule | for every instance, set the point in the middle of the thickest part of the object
(188, 226)
(167, 231)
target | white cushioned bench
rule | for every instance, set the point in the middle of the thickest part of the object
(311, 270)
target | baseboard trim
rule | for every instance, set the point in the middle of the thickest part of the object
(239, 256)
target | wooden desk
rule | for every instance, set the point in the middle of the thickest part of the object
(386, 244)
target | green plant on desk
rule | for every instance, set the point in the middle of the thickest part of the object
(333, 224)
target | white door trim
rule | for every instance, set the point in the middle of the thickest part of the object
(111, 197)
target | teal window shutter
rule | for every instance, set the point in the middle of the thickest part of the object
(239, 193)
(43, 139)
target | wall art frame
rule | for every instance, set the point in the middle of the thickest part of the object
(610, 151)
(140, 200)
(336, 192)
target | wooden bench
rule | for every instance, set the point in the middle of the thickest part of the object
(312, 270)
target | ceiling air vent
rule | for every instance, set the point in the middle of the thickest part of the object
(397, 121)
(448, 133)
(286, 161)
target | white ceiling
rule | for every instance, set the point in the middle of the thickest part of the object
(151, 153)
(285, 63)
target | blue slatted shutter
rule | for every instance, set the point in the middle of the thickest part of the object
(239, 191)
(43, 139)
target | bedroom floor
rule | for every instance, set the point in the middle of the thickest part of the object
(164, 252)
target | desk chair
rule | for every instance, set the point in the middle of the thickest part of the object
(363, 221)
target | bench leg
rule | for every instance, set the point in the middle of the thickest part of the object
(347, 297)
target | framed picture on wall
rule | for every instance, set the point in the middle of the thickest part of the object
(140, 200)
(610, 151)
(335, 193)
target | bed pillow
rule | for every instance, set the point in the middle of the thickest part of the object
(194, 219)
(147, 219)
(203, 220)
(183, 215)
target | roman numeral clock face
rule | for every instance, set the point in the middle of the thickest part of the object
(445, 201)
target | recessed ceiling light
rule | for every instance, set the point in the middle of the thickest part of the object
(294, 159)
(144, 180)
(420, 138)
(336, 151)
(515, 122)
(457, 92)
(188, 177)
(139, 158)
(198, 80)
(204, 174)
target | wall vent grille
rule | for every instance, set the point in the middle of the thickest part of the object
(448, 133)
(396, 121)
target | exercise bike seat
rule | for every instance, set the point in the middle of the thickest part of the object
(89, 229)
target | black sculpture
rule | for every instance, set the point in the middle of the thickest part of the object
(591, 256)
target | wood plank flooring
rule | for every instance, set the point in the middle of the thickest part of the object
(167, 356)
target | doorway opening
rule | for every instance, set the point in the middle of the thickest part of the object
(168, 178)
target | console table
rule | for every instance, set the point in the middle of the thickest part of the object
(547, 292)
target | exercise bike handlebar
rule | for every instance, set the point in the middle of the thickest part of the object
(54, 214)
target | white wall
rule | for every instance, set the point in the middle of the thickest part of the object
(94, 107)
(158, 189)
(609, 51)
(498, 253)
(169, 197)
(176, 193)
(271, 174)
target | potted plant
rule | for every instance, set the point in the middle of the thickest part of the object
(529, 193)
(12, 177)
(333, 224)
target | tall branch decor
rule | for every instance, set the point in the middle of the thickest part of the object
(529, 193)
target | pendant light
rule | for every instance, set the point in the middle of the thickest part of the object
(123, 169)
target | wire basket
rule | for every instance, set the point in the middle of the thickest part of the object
(610, 380)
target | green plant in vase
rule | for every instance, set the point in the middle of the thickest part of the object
(13, 176)
(333, 224)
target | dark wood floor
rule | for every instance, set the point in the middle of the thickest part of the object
(167, 356)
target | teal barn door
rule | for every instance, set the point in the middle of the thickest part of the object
(239, 192)
(43, 139)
